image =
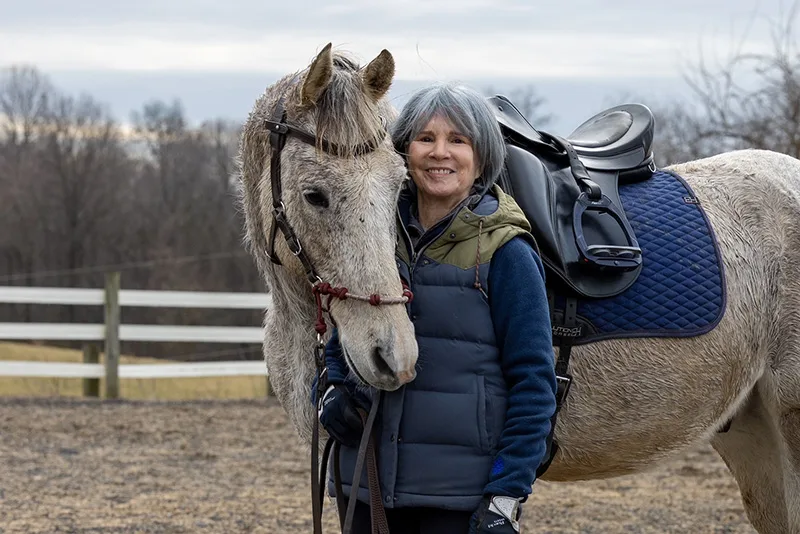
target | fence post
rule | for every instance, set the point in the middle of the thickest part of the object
(91, 386)
(112, 319)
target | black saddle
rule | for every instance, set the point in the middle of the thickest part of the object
(568, 191)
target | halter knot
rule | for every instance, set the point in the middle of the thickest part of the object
(324, 288)
(407, 293)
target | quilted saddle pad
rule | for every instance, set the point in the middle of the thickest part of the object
(681, 289)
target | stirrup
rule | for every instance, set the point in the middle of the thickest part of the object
(605, 257)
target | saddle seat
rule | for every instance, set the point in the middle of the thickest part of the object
(617, 139)
(567, 188)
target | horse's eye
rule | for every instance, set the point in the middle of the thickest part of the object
(317, 198)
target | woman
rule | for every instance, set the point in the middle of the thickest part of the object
(459, 446)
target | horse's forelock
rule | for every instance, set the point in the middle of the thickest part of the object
(345, 114)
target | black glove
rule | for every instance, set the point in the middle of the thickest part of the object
(338, 416)
(496, 515)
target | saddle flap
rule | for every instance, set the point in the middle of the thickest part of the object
(547, 194)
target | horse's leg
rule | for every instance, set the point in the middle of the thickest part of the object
(752, 449)
(786, 375)
(790, 431)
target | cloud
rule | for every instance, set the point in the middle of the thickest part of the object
(673, 19)
(445, 39)
(537, 54)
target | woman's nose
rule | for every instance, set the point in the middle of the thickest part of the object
(440, 149)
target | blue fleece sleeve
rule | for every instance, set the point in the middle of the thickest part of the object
(334, 361)
(521, 317)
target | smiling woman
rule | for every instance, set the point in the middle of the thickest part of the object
(484, 360)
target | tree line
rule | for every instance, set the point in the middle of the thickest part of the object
(83, 195)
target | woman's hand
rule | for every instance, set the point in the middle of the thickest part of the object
(339, 417)
(496, 515)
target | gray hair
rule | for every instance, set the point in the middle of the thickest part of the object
(469, 112)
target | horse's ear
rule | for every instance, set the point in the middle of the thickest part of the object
(318, 77)
(378, 75)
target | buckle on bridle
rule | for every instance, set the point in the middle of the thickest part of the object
(278, 127)
(294, 245)
(279, 214)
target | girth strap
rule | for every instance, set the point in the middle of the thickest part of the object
(563, 376)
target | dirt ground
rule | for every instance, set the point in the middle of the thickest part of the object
(184, 467)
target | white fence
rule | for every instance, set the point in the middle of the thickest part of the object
(112, 332)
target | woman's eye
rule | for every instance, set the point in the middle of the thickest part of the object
(316, 198)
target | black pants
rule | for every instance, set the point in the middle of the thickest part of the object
(414, 520)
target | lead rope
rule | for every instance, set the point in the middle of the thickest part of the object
(366, 449)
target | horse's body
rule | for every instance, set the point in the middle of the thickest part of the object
(634, 402)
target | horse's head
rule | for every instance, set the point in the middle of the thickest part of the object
(339, 187)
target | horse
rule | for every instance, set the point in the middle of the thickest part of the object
(634, 402)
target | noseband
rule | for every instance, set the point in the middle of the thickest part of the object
(280, 131)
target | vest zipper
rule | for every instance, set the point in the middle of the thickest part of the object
(415, 254)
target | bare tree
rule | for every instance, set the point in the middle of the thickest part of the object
(748, 100)
(85, 166)
(223, 138)
(25, 95)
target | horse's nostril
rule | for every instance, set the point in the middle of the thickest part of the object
(380, 364)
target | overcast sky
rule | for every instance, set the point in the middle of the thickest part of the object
(217, 56)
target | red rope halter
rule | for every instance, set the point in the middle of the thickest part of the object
(342, 293)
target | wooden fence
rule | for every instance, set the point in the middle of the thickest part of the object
(111, 333)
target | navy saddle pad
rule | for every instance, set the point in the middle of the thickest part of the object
(681, 289)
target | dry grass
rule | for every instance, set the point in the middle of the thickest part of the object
(239, 387)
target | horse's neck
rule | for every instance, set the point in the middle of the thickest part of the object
(289, 347)
(293, 314)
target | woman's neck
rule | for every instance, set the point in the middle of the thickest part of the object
(431, 212)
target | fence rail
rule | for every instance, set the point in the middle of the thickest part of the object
(132, 332)
(134, 297)
(112, 332)
(156, 370)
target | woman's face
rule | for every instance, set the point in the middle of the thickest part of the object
(442, 163)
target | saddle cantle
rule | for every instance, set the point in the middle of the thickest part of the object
(568, 191)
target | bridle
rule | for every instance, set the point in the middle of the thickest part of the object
(280, 131)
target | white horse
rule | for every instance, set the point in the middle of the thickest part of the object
(634, 402)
